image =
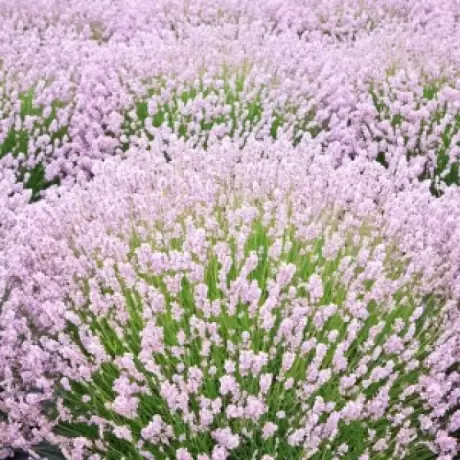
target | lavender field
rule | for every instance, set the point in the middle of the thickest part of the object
(230, 229)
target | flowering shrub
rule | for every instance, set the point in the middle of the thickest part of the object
(425, 120)
(82, 81)
(224, 306)
(230, 229)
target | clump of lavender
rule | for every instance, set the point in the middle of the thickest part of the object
(85, 80)
(244, 298)
(421, 120)
(225, 306)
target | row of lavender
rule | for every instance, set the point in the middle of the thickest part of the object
(230, 229)
(84, 81)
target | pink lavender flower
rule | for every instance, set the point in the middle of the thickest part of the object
(242, 255)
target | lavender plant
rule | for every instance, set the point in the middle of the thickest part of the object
(424, 120)
(230, 229)
(91, 88)
(222, 306)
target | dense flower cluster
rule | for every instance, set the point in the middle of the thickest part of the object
(83, 80)
(230, 229)
(224, 303)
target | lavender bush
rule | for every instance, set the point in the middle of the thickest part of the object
(81, 81)
(230, 229)
(253, 312)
